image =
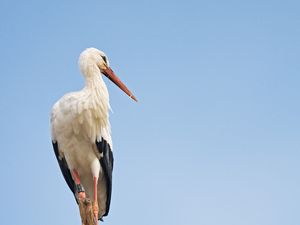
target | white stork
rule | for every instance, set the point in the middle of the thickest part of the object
(81, 133)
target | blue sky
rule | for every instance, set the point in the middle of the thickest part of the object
(214, 139)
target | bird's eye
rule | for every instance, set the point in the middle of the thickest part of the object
(104, 58)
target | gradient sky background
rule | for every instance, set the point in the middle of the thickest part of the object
(215, 138)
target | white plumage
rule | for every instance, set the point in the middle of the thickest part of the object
(80, 119)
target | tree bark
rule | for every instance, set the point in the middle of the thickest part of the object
(86, 212)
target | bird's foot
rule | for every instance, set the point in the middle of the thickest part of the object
(95, 211)
(81, 196)
(86, 212)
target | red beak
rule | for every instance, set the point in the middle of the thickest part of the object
(113, 77)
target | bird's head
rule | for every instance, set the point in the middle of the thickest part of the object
(92, 60)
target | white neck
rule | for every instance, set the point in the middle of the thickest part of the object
(96, 87)
(96, 96)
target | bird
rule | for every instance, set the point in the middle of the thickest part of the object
(81, 133)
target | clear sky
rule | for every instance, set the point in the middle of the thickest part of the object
(215, 138)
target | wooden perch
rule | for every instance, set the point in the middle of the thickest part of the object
(86, 212)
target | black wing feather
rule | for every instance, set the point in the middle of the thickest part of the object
(107, 163)
(64, 169)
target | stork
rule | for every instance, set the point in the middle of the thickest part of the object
(81, 134)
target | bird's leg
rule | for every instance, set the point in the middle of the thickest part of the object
(79, 189)
(95, 202)
(83, 202)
